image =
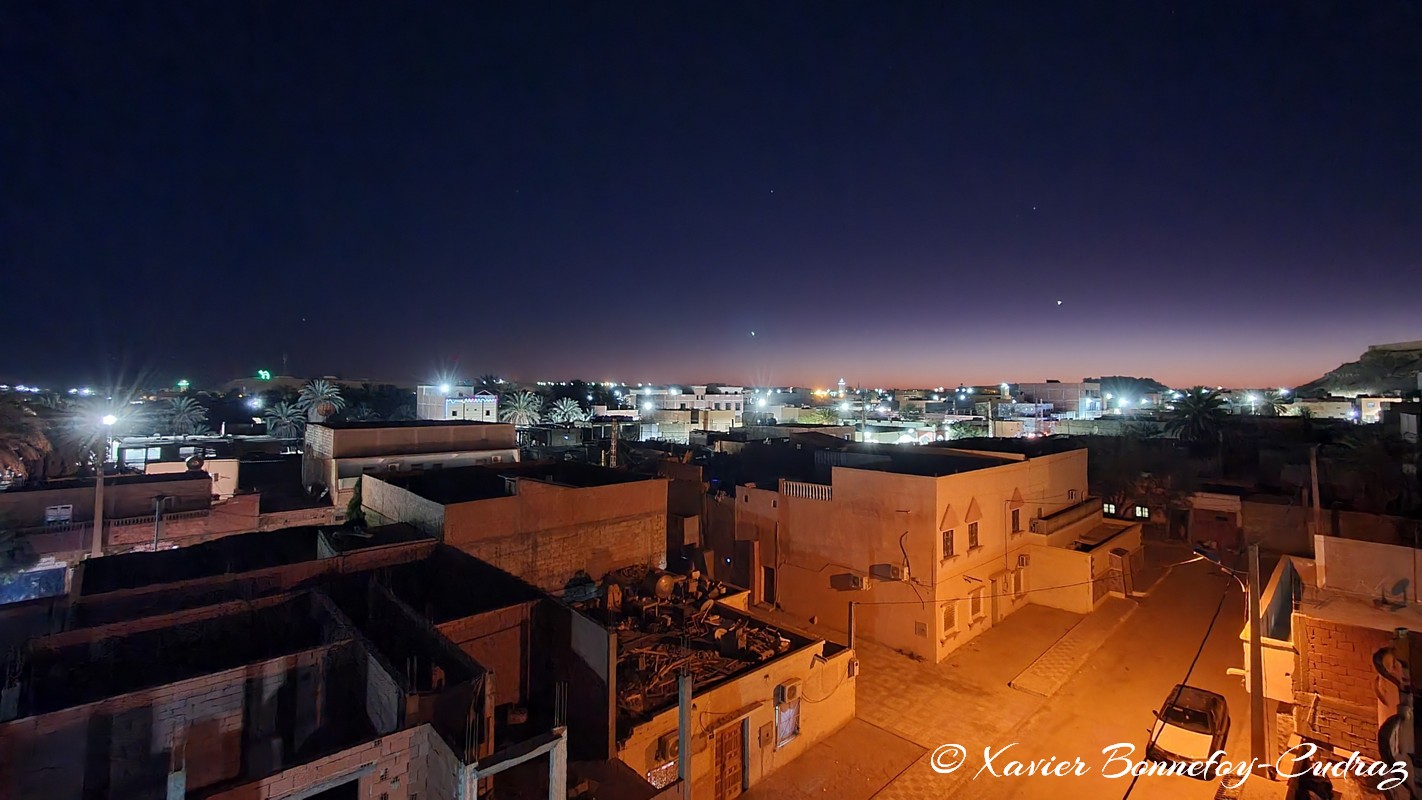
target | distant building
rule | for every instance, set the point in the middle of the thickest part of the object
(446, 402)
(336, 454)
(691, 398)
(1371, 408)
(1069, 400)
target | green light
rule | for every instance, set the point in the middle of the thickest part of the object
(264, 374)
(183, 384)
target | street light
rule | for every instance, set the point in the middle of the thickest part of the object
(96, 547)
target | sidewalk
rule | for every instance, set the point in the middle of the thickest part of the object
(852, 764)
(1054, 667)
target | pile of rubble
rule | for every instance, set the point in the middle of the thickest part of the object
(667, 624)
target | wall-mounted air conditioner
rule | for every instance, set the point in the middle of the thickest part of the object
(787, 692)
(668, 746)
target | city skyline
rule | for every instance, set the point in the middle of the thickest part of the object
(1202, 195)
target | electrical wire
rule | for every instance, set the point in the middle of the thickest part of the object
(1155, 730)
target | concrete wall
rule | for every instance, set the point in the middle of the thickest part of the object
(1335, 663)
(827, 704)
(545, 534)
(500, 641)
(337, 442)
(384, 503)
(123, 497)
(1367, 569)
(1285, 528)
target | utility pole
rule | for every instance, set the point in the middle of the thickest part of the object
(683, 736)
(96, 547)
(1317, 507)
(1257, 745)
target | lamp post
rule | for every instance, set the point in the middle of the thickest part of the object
(96, 548)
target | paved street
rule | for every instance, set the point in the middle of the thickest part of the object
(1106, 697)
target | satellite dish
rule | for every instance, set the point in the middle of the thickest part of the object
(195, 463)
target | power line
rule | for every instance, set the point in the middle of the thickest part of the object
(1155, 731)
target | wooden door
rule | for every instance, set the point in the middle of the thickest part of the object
(729, 762)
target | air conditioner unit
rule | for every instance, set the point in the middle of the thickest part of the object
(1023, 560)
(889, 572)
(853, 670)
(860, 582)
(669, 746)
(787, 692)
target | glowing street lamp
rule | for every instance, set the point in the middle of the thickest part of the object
(96, 547)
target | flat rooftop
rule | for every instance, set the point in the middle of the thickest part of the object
(406, 423)
(1350, 609)
(488, 481)
(229, 555)
(74, 674)
(110, 481)
(1031, 448)
(925, 462)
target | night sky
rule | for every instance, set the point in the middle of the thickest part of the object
(896, 193)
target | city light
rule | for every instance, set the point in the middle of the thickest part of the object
(444, 388)
(760, 403)
(647, 406)
(254, 402)
(109, 419)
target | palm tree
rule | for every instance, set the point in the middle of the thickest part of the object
(186, 416)
(320, 399)
(567, 411)
(1198, 416)
(489, 381)
(824, 415)
(521, 408)
(22, 439)
(362, 413)
(285, 421)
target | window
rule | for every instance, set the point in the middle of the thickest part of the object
(717, 406)
(1071, 494)
(950, 617)
(58, 515)
(948, 544)
(973, 535)
(1142, 512)
(1016, 520)
(1019, 581)
(787, 721)
(1108, 508)
(975, 604)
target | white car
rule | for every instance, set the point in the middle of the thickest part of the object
(1193, 724)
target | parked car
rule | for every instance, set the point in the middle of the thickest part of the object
(1192, 724)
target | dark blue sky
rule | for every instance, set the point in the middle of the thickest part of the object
(898, 193)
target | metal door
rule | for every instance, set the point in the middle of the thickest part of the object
(729, 762)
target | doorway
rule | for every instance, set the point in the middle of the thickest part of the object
(730, 761)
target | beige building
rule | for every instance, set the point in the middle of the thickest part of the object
(543, 522)
(934, 545)
(1069, 400)
(336, 454)
(447, 401)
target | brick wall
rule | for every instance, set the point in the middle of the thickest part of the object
(121, 746)
(1336, 664)
(498, 640)
(548, 558)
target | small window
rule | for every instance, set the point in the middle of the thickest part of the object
(950, 617)
(948, 544)
(975, 604)
(1016, 520)
(972, 535)
(787, 721)
(1108, 508)
(1071, 494)
(58, 515)
(1142, 512)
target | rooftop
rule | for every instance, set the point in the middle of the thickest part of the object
(488, 481)
(229, 555)
(405, 423)
(110, 481)
(1031, 448)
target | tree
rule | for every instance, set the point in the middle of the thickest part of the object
(362, 413)
(1199, 416)
(567, 411)
(824, 415)
(320, 399)
(489, 381)
(521, 408)
(186, 416)
(285, 421)
(22, 440)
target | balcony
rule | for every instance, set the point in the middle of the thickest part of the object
(1068, 516)
(806, 491)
